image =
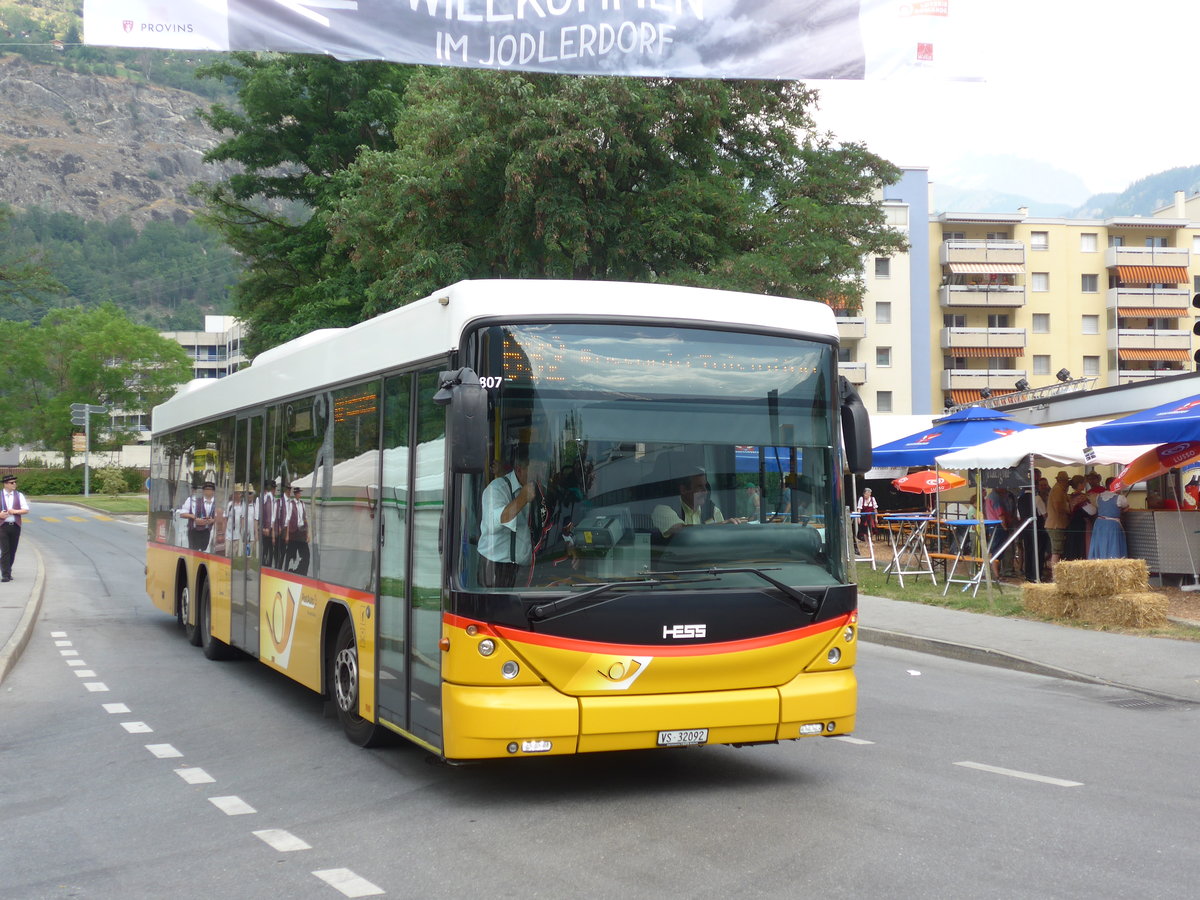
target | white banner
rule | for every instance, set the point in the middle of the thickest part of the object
(775, 39)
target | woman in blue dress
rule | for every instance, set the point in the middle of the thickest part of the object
(1108, 537)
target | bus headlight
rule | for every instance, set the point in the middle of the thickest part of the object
(487, 647)
(849, 634)
(834, 655)
(510, 669)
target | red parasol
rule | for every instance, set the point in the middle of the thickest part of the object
(1157, 461)
(928, 482)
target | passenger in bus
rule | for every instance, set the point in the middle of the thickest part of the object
(694, 507)
(296, 546)
(269, 515)
(504, 530)
(200, 513)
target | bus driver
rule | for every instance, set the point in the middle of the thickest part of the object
(694, 508)
(504, 537)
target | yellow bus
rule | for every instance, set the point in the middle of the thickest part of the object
(353, 547)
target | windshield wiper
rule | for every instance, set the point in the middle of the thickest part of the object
(806, 602)
(566, 604)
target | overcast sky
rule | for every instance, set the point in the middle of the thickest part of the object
(1104, 89)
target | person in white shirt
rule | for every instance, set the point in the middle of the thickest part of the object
(505, 542)
(201, 513)
(297, 535)
(13, 505)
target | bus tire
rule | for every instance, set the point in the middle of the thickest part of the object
(212, 647)
(342, 673)
(189, 617)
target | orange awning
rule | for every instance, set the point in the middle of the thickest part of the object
(1153, 274)
(1153, 354)
(1152, 312)
(977, 352)
(959, 396)
(987, 268)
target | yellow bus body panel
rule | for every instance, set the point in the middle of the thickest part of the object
(480, 722)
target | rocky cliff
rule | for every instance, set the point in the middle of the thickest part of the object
(99, 147)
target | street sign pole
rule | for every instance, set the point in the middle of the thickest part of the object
(81, 414)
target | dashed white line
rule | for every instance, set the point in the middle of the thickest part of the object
(851, 740)
(348, 883)
(76, 662)
(69, 652)
(136, 727)
(95, 686)
(283, 841)
(163, 751)
(85, 673)
(195, 775)
(63, 644)
(1013, 773)
(58, 634)
(232, 806)
(113, 708)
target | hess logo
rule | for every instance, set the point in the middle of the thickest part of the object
(684, 631)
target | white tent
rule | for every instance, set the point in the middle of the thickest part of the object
(1059, 444)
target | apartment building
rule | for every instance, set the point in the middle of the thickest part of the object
(217, 350)
(1014, 304)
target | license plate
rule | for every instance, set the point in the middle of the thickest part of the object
(686, 737)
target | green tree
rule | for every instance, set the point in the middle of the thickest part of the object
(301, 120)
(716, 183)
(81, 356)
(24, 280)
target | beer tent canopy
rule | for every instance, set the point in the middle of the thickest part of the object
(1056, 444)
(1178, 420)
(965, 428)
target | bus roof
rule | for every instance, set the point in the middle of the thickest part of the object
(433, 326)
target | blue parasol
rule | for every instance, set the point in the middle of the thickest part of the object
(966, 428)
(1178, 420)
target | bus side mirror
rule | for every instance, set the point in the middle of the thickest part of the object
(856, 428)
(466, 420)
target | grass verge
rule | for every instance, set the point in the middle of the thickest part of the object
(121, 504)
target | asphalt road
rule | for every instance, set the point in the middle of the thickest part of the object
(131, 767)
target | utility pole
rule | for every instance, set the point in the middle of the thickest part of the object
(81, 414)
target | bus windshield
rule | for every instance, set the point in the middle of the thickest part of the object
(622, 452)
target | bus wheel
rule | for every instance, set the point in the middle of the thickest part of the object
(191, 630)
(343, 688)
(211, 646)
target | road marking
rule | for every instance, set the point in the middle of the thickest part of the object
(100, 518)
(95, 686)
(63, 644)
(58, 634)
(85, 673)
(348, 883)
(195, 775)
(68, 652)
(1013, 773)
(77, 518)
(50, 519)
(163, 751)
(232, 806)
(137, 727)
(115, 708)
(76, 662)
(283, 841)
(851, 740)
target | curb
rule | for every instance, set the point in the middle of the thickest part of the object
(12, 650)
(987, 657)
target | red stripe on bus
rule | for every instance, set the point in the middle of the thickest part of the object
(561, 643)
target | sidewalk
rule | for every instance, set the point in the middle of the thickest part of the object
(1157, 666)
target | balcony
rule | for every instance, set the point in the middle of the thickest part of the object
(855, 372)
(1144, 298)
(990, 296)
(1149, 339)
(997, 252)
(851, 328)
(977, 379)
(1146, 256)
(999, 339)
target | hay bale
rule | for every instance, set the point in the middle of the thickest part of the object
(1102, 577)
(1136, 609)
(1047, 600)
